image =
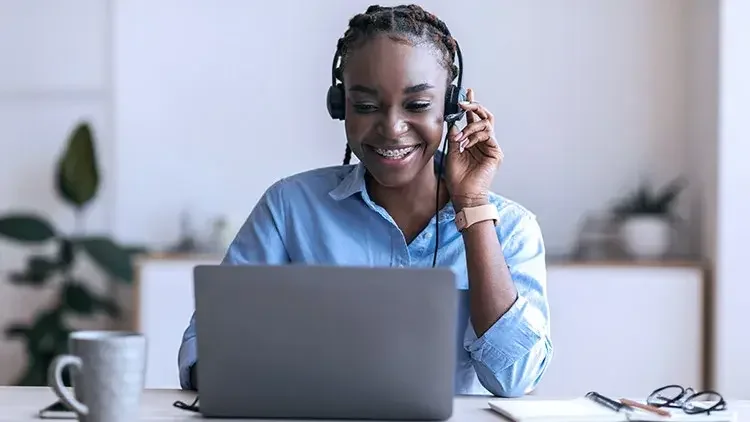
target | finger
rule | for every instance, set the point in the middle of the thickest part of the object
(470, 117)
(474, 139)
(473, 128)
(472, 99)
(477, 109)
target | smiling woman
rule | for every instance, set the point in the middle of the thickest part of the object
(397, 68)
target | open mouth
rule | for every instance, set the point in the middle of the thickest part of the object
(395, 154)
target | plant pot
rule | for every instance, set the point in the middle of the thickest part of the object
(646, 236)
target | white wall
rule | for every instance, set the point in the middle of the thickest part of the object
(216, 101)
(193, 105)
(733, 206)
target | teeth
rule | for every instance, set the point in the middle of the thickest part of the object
(395, 153)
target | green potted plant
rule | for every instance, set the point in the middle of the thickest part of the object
(76, 183)
(646, 217)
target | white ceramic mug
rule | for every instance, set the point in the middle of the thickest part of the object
(108, 371)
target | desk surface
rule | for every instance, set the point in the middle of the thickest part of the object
(22, 404)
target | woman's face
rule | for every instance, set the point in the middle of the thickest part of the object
(395, 95)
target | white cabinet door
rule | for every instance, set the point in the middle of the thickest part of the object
(165, 302)
(624, 331)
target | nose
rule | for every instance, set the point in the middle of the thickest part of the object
(393, 124)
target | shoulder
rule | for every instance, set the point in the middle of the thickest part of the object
(307, 184)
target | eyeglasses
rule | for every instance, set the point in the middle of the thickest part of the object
(687, 399)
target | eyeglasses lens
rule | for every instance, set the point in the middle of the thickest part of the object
(666, 396)
(703, 402)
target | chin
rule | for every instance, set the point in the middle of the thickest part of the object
(395, 172)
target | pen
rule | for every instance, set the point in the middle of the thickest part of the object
(646, 407)
(607, 402)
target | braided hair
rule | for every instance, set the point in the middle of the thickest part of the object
(404, 23)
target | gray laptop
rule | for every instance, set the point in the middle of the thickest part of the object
(326, 342)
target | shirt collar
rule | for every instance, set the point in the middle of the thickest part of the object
(354, 183)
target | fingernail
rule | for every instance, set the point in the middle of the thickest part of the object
(464, 102)
(458, 136)
(462, 146)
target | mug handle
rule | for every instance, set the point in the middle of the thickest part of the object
(54, 378)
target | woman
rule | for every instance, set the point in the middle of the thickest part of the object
(396, 65)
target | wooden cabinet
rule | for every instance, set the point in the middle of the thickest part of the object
(619, 329)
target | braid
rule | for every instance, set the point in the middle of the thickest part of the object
(403, 23)
(347, 155)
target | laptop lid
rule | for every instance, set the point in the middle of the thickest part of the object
(326, 342)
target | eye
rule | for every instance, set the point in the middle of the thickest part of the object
(364, 108)
(419, 105)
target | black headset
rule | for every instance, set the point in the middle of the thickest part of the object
(336, 104)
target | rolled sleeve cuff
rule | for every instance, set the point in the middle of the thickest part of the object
(188, 357)
(508, 340)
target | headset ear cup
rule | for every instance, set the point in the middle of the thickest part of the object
(454, 95)
(335, 102)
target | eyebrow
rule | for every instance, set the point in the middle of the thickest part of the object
(417, 88)
(408, 90)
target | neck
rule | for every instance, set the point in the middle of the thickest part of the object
(413, 205)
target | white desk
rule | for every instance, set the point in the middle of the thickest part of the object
(22, 404)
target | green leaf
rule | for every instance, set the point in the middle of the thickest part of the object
(77, 298)
(77, 177)
(40, 264)
(46, 338)
(38, 270)
(26, 228)
(46, 330)
(646, 201)
(109, 256)
(65, 254)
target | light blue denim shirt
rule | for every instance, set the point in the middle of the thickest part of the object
(326, 217)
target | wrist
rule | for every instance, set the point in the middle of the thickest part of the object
(469, 201)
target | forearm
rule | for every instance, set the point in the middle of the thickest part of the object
(491, 288)
(508, 332)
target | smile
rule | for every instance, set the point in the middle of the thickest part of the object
(395, 154)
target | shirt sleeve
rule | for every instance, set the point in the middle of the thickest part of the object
(511, 357)
(259, 240)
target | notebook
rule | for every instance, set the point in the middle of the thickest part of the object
(585, 410)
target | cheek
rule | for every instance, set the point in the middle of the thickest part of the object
(431, 129)
(356, 131)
